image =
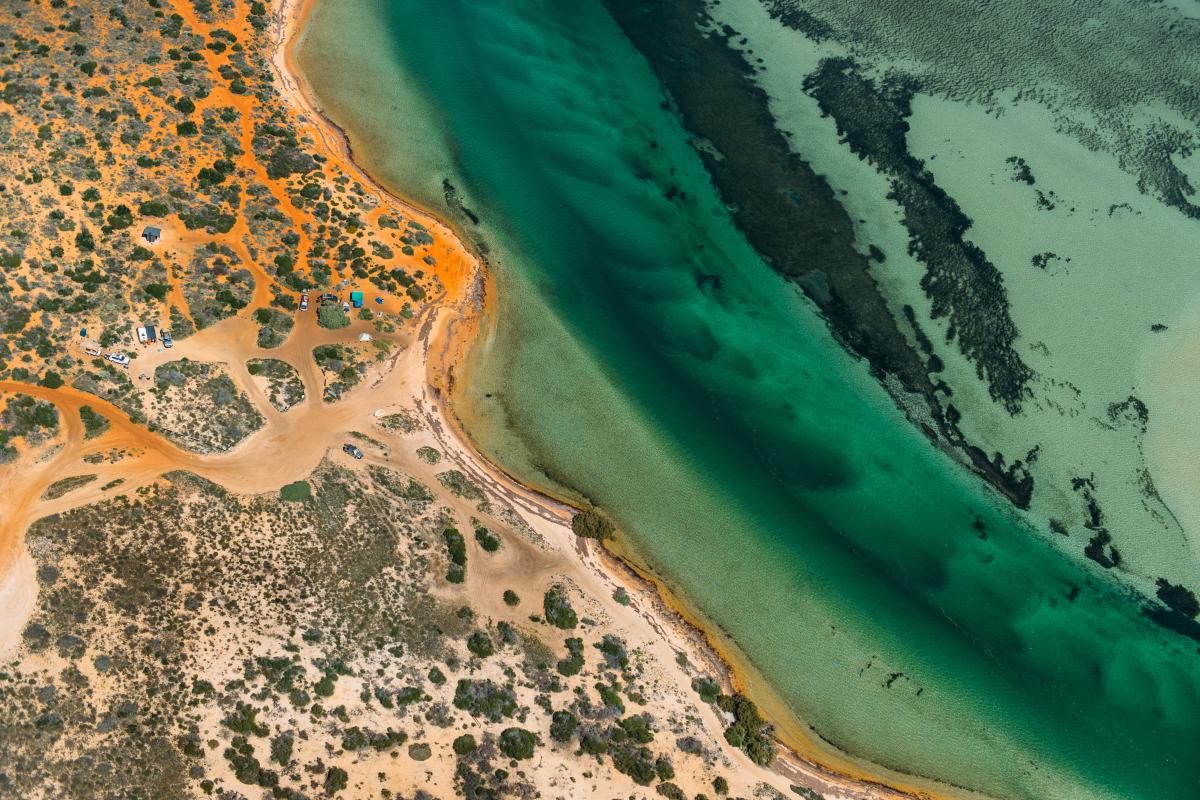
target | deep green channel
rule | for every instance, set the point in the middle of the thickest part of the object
(647, 358)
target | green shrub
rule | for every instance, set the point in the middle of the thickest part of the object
(634, 761)
(243, 719)
(354, 739)
(517, 743)
(558, 610)
(85, 241)
(708, 689)
(456, 547)
(93, 424)
(610, 696)
(281, 749)
(511, 598)
(464, 744)
(563, 725)
(637, 727)
(489, 541)
(153, 208)
(336, 779)
(483, 698)
(749, 730)
(460, 485)
(573, 663)
(670, 791)
(296, 492)
(480, 644)
(121, 217)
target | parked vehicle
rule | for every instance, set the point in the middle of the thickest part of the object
(304, 301)
(92, 350)
(165, 338)
(352, 450)
(118, 358)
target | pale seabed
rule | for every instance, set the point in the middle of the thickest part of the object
(756, 467)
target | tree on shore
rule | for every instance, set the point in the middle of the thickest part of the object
(593, 524)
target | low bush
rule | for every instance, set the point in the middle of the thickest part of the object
(592, 524)
(517, 743)
(558, 610)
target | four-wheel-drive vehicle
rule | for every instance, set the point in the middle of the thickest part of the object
(304, 301)
(165, 338)
(327, 298)
(118, 358)
(92, 350)
(352, 450)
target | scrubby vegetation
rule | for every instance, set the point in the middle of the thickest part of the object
(133, 116)
(748, 730)
(284, 388)
(331, 316)
(353, 663)
(460, 485)
(93, 424)
(25, 418)
(199, 406)
(65, 486)
(343, 368)
(402, 421)
(274, 327)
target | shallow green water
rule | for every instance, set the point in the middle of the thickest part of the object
(646, 357)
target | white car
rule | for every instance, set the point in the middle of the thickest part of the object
(118, 358)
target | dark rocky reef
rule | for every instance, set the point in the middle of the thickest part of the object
(792, 217)
(961, 282)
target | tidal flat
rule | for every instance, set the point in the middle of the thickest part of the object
(812, 504)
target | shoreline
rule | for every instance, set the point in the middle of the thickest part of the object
(802, 752)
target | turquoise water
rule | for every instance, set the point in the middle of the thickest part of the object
(646, 357)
